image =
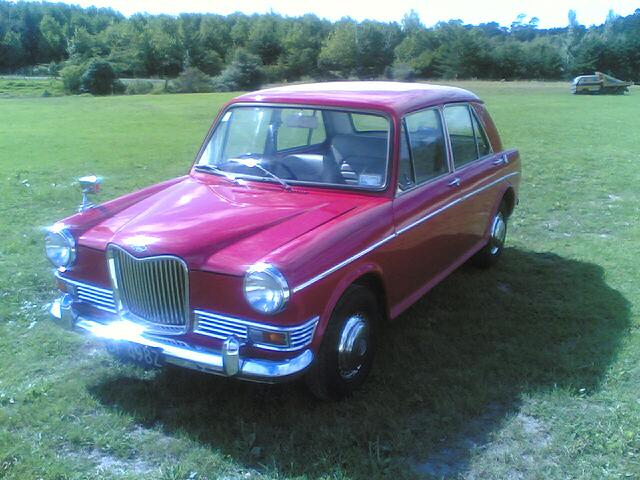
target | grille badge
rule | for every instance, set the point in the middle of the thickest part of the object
(139, 248)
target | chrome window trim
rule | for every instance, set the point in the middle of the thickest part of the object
(404, 229)
(474, 114)
(310, 106)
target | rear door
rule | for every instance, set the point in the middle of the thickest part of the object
(475, 167)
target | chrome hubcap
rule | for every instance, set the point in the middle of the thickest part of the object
(498, 233)
(353, 346)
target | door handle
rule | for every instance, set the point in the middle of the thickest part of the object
(455, 182)
(503, 159)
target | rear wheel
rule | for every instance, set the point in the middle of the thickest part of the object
(492, 251)
(346, 354)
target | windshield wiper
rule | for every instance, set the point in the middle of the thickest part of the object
(255, 163)
(217, 171)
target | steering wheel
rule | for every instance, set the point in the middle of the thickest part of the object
(258, 156)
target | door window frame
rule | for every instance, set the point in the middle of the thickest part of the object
(472, 115)
(405, 131)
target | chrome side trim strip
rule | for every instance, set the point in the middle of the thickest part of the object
(453, 203)
(404, 229)
(344, 263)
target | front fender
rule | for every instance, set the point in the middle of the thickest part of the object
(344, 279)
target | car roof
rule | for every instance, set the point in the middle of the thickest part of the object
(392, 97)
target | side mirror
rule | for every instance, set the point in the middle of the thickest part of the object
(89, 185)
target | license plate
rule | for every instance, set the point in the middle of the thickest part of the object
(148, 357)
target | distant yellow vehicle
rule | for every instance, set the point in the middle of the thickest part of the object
(598, 84)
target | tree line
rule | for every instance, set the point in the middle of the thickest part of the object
(243, 51)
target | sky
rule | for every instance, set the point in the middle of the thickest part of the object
(551, 13)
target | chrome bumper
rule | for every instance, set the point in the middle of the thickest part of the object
(227, 362)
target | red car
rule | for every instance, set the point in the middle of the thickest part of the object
(313, 214)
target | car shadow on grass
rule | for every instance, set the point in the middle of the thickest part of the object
(448, 374)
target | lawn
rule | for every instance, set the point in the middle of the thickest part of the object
(529, 370)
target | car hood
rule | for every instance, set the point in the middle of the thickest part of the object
(217, 225)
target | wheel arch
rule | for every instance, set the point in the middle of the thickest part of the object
(509, 198)
(366, 274)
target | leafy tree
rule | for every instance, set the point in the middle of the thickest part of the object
(245, 72)
(34, 34)
(53, 42)
(265, 39)
(339, 54)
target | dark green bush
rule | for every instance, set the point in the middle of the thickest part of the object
(98, 78)
(245, 72)
(192, 80)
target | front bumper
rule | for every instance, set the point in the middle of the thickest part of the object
(227, 362)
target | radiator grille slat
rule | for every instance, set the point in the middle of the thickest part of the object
(222, 327)
(155, 290)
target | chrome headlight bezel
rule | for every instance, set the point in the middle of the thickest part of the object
(265, 289)
(60, 247)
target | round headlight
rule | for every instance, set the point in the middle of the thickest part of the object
(265, 288)
(60, 247)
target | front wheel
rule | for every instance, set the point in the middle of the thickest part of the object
(491, 252)
(346, 354)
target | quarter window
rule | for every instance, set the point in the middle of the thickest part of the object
(426, 140)
(484, 148)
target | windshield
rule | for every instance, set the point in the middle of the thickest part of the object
(295, 145)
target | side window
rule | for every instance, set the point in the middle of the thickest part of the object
(369, 123)
(463, 143)
(484, 148)
(426, 140)
(300, 128)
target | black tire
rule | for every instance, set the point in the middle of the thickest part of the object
(489, 255)
(354, 323)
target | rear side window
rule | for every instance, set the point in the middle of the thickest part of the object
(461, 134)
(369, 123)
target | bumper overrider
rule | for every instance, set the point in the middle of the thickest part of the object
(227, 362)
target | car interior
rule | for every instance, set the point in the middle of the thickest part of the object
(315, 146)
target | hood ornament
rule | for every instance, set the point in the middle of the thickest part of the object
(89, 185)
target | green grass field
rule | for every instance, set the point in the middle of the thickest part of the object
(530, 370)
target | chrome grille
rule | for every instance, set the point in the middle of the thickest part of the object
(154, 290)
(222, 327)
(97, 297)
